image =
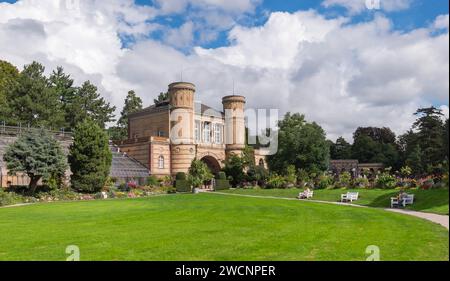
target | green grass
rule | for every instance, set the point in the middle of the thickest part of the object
(432, 201)
(214, 227)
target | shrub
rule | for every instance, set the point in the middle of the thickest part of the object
(386, 180)
(345, 179)
(180, 176)
(361, 182)
(291, 177)
(275, 181)
(324, 181)
(10, 198)
(222, 185)
(221, 176)
(152, 181)
(199, 173)
(182, 186)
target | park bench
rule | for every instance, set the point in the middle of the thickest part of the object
(349, 197)
(408, 199)
(306, 194)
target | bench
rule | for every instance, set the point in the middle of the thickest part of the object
(349, 196)
(408, 199)
(306, 195)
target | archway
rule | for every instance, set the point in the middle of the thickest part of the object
(212, 164)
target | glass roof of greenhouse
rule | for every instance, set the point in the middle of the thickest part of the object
(124, 166)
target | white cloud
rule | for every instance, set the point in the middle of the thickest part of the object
(358, 6)
(441, 22)
(342, 76)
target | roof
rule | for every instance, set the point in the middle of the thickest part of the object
(199, 108)
(124, 166)
(203, 109)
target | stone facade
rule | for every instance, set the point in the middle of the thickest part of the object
(166, 137)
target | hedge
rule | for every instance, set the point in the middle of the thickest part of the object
(183, 186)
(222, 185)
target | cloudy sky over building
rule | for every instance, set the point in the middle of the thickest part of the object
(342, 63)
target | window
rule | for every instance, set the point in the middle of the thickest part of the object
(197, 131)
(207, 132)
(161, 134)
(261, 162)
(218, 133)
(161, 162)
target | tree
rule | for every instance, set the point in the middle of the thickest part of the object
(8, 81)
(301, 144)
(63, 87)
(414, 160)
(234, 168)
(90, 157)
(341, 149)
(199, 173)
(376, 145)
(32, 102)
(430, 129)
(133, 103)
(88, 104)
(37, 154)
(162, 97)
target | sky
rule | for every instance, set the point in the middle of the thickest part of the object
(342, 63)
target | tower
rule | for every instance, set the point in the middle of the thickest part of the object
(181, 95)
(234, 106)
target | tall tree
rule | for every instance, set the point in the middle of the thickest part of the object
(133, 103)
(430, 129)
(63, 87)
(89, 104)
(37, 154)
(90, 157)
(32, 102)
(9, 75)
(377, 145)
(341, 149)
(301, 144)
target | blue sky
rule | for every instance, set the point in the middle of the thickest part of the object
(419, 14)
(336, 61)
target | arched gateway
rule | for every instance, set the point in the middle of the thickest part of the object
(212, 163)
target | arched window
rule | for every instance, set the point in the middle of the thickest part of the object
(161, 162)
(261, 162)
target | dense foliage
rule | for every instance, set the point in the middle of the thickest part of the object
(301, 144)
(38, 155)
(90, 157)
(54, 102)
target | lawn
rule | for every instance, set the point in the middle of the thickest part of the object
(432, 201)
(214, 227)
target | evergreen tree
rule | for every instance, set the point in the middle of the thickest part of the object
(133, 103)
(430, 129)
(37, 154)
(414, 160)
(63, 87)
(90, 157)
(32, 102)
(8, 81)
(88, 104)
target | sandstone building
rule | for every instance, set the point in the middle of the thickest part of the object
(166, 137)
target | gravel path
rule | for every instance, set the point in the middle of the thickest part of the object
(439, 219)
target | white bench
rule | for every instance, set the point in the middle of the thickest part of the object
(349, 196)
(408, 199)
(306, 194)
